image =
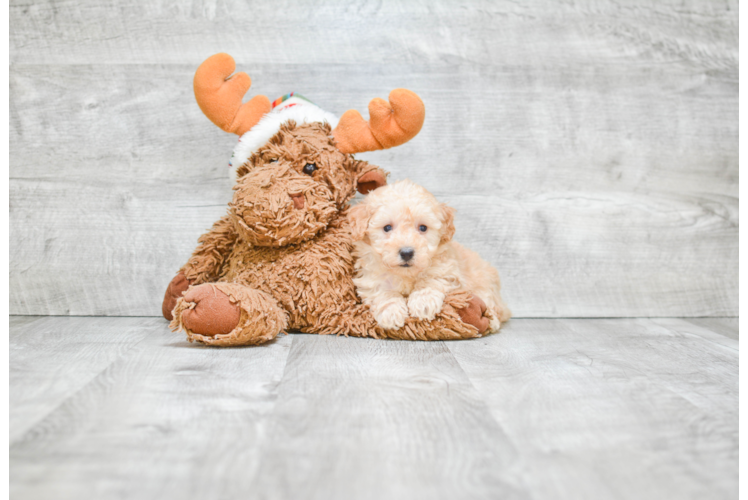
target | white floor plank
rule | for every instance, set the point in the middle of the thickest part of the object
(728, 327)
(51, 358)
(613, 408)
(167, 420)
(547, 409)
(371, 419)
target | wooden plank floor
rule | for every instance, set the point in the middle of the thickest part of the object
(556, 408)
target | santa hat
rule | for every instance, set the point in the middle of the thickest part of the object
(291, 106)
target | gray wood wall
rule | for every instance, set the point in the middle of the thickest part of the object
(590, 147)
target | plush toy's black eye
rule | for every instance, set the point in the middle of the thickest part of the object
(422, 228)
(274, 160)
(387, 228)
(309, 168)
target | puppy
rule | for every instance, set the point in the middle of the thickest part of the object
(406, 261)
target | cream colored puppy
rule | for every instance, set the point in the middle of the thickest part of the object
(406, 261)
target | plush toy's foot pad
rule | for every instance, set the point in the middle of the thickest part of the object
(210, 311)
(473, 314)
(173, 292)
(228, 314)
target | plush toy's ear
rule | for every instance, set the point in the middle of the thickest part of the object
(448, 223)
(370, 181)
(359, 217)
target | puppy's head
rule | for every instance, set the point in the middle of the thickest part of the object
(402, 225)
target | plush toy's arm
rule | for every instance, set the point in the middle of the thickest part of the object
(214, 247)
(204, 266)
(461, 317)
(336, 310)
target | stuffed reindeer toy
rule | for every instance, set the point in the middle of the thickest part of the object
(281, 257)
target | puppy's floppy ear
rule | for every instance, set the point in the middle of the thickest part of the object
(448, 222)
(359, 217)
(371, 180)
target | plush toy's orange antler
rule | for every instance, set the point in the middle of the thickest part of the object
(390, 124)
(219, 95)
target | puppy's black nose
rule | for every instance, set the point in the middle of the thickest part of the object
(407, 253)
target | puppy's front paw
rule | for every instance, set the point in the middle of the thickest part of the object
(425, 303)
(392, 315)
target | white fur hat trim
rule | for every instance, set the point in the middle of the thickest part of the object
(294, 108)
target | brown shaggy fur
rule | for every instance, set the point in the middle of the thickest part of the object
(287, 267)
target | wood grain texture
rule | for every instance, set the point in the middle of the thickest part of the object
(168, 419)
(590, 148)
(728, 327)
(404, 31)
(743, 460)
(730, 332)
(548, 409)
(52, 358)
(617, 408)
(376, 419)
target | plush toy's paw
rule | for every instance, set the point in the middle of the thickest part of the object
(494, 324)
(175, 290)
(472, 314)
(425, 303)
(228, 314)
(210, 311)
(392, 315)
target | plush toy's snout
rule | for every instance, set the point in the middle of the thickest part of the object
(275, 206)
(298, 200)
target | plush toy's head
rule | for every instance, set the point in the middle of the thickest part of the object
(291, 187)
(294, 172)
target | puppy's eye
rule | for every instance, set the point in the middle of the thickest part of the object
(422, 228)
(309, 168)
(387, 228)
(274, 160)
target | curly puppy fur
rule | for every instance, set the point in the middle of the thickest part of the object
(281, 258)
(407, 263)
